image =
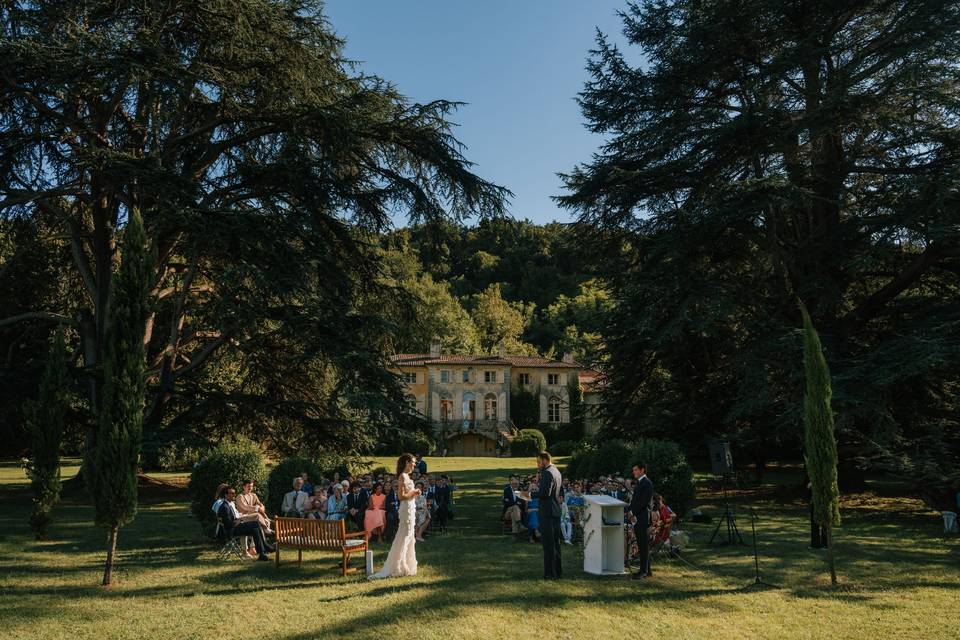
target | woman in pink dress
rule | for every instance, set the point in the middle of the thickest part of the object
(375, 517)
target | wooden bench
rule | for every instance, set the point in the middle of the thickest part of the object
(322, 535)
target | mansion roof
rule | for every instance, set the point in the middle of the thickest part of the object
(424, 359)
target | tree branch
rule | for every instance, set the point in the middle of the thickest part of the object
(872, 305)
(47, 316)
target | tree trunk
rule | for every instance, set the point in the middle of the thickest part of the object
(111, 551)
(833, 568)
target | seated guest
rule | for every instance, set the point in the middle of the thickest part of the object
(512, 505)
(316, 505)
(307, 488)
(234, 526)
(442, 499)
(295, 502)
(393, 511)
(665, 517)
(576, 506)
(337, 504)
(423, 513)
(533, 515)
(614, 489)
(217, 500)
(249, 502)
(356, 505)
(453, 487)
(375, 517)
(421, 465)
(570, 511)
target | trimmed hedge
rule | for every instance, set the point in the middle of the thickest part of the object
(229, 462)
(529, 442)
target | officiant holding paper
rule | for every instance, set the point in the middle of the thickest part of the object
(549, 496)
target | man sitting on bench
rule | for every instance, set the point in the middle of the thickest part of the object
(234, 524)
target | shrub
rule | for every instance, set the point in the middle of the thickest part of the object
(397, 441)
(172, 450)
(668, 468)
(281, 478)
(580, 464)
(529, 442)
(178, 455)
(379, 471)
(230, 462)
(562, 447)
(666, 464)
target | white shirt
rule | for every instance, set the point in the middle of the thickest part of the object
(557, 479)
(294, 501)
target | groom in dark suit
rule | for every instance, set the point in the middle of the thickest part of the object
(549, 497)
(640, 508)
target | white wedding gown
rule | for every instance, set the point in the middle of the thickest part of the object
(402, 559)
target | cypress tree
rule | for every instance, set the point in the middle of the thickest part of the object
(820, 443)
(44, 418)
(114, 457)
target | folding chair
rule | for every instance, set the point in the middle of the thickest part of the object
(234, 546)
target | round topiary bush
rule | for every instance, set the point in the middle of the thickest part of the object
(529, 442)
(281, 478)
(227, 462)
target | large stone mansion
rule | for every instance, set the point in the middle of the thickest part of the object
(467, 398)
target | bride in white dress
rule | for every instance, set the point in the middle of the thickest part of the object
(402, 559)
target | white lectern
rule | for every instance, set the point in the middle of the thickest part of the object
(603, 536)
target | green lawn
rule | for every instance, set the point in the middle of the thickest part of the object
(900, 575)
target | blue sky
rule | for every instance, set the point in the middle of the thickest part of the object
(517, 63)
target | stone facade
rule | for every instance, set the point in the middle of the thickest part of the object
(467, 398)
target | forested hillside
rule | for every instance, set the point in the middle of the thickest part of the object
(502, 283)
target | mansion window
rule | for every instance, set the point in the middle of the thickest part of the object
(412, 403)
(553, 410)
(524, 379)
(490, 407)
(466, 375)
(489, 376)
(445, 376)
(446, 409)
(410, 377)
(553, 378)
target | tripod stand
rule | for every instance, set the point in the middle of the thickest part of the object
(757, 580)
(733, 534)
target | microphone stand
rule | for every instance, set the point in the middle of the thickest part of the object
(758, 582)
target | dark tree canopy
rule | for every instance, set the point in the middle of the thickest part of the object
(260, 161)
(771, 150)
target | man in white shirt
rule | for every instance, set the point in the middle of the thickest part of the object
(295, 502)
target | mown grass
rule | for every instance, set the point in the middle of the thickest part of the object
(900, 576)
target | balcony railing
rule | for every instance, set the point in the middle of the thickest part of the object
(476, 426)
